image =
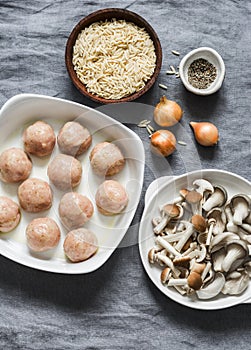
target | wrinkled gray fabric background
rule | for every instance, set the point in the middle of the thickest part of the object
(118, 307)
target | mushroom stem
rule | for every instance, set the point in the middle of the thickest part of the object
(173, 237)
(210, 231)
(193, 246)
(161, 241)
(161, 225)
(168, 262)
(186, 235)
(177, 282)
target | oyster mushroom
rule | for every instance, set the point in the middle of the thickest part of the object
(236, 250)
(203, 186)
(230, 223)
(216, 199)
(248, 218)
(221, 240)
(207, 273)
(169, 212)
(246, 227)
(240, 205)
(247, 267)
(220, 220)
(217, 259)
(236, 284)
(212, 289)
(244, 235)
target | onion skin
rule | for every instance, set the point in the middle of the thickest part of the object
(163, 142)
(167, 112)
(206, 134)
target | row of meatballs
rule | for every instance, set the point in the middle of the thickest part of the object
(64, 172)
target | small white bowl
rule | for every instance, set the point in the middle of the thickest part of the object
(210, 55)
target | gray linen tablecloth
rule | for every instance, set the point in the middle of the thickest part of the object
(118, 307)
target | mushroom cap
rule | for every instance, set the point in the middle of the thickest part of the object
(199, 223)
(219, 216)
(221, 240)
(194, 280)
(183, 192)
(203, 186)
(213, 288)
(198, 267)
(242, 196)
(165, 274)
(172, 210)
(236, 285)
(216, 199)
(151, 256)
(193, 197)
(236, 249)
(182, 261)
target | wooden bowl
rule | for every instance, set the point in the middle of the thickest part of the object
(108, 14)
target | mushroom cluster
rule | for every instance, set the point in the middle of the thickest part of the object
(203, 241)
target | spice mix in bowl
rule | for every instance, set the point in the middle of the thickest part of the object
(113, 55)
(202, 71)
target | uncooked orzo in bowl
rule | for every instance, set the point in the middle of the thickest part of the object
(114, 58)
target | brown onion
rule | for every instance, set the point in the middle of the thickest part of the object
(167, 112)
(206, 134)
(163, 142)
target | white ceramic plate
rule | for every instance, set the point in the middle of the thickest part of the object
(165, 189)
(23, 110)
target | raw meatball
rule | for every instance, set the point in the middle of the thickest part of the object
(111, 198)
(42, 234)
(39, 139)
(106, 159)
(15, 165)
(80, 244)
(9, 214)
(74, 139)
(75, 210)
(35, 195)
(65, 172)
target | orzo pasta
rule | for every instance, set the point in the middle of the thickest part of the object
(114, 59)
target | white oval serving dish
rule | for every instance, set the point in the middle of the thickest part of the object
(164, 189)
(24, 109)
